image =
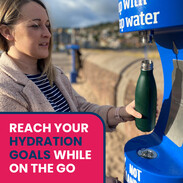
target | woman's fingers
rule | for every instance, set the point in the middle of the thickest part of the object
(130, 108)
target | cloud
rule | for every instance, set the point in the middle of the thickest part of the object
(79, 13)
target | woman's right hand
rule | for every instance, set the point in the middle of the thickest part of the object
(130, 109)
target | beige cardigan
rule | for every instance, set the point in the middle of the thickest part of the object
(19, 94)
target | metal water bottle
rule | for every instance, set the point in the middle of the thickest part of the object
(146, 97)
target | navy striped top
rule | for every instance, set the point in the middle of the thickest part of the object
(53, 94)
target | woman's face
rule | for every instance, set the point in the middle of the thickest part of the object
(31, 36)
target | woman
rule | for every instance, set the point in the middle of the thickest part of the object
(28, 80)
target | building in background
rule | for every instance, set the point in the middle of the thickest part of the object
(102, 36)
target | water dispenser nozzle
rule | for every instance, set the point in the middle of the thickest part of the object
(146, 36)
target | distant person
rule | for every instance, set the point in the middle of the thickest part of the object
(28, 80)
(79, 62)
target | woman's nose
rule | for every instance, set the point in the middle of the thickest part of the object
(46, 32)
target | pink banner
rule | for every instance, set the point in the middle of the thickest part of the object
(52, 148)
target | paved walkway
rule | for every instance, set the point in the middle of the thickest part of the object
(62, 60)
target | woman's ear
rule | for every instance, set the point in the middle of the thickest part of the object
(6, 32)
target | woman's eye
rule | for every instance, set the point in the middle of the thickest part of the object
(35, 26)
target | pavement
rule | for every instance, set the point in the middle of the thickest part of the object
(62, 60)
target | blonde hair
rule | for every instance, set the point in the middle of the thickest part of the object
(9, 15)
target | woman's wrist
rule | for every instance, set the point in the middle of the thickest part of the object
(114, 116)
(118, 113)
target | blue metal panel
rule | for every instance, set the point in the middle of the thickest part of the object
(137, 15)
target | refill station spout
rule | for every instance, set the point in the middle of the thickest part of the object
(146, 37)
(157, 157)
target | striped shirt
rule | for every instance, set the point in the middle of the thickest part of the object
(53, 94)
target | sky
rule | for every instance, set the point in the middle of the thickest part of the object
(81, 13)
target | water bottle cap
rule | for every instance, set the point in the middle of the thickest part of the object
(147, 65)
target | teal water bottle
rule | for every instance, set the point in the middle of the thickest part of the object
(146, 97)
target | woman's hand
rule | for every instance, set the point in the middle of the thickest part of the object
(122, 114)
(130, 109)
(128, 113)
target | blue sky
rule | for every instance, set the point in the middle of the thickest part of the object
(81, 13)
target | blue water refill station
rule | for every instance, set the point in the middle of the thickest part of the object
(158, 157)
(73, 74)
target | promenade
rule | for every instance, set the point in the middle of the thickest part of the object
(62, 60)
(108, 78)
